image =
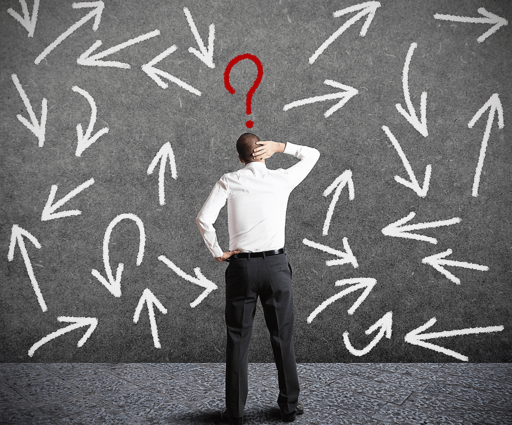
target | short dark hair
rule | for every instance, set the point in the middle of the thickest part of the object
(245, 146)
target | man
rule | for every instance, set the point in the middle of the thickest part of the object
(258, 266)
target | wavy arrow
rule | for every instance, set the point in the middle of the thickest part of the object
(438, 262)
(79, 322)
(368, 8)
(346, 257)
(50, 208)
(412, 183)
(416, 337)
(165, 153)
(385, 324)
(345, 96)
(338, 184)
(28, 22)
(205, 54)
(198, 280)
(148, 298)
(95, 13)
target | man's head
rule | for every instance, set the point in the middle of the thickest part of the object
(245, 146)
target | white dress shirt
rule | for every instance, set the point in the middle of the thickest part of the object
(257, 199)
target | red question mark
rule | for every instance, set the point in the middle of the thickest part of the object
(255, 85)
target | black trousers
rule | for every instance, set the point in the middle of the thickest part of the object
(270, 278)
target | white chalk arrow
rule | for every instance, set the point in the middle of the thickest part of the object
(412, 183)
(338, 184)
(397, 230)
(28, 22)
(89, 59)
(368, 8)
(366, 283)
(346, 257)
(79, 322)
(87, 139)
(345, 95)
(494, 105)
(437, 261)
(164, 154)
(205, 54)
(420, 124)
(198, 280)
(50, 208)
(113, 284)
(38, 128)
(155, 73)
(148, 298)
(97, 10)
(490, 18)
(385, 324)
(17, 236)
(416, 337)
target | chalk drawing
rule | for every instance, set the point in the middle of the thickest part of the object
(148, 298)
(204, 54)
(28, 22)
(346, 257)
(164, 154)
(437, 261)
(50, 208)
(344, 179)
(385, 323)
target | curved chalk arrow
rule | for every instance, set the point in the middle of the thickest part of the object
(148, 298)
(111, 283)
(385, 324)
(437, 261)
(38, 128)
(29, 23)
(416, 337)
(205, 54)
(494, 105)
(368, 8)
(345, 96)
(413, 182)
(79, 322)
(490, 18)
(95, 13)
(360, 282)
(50, 208)
(346, 257)
(198, 280)
(89, 59)
(17, 235)
(87, 139)
(165, 153)
(420, 124)
(344, 179)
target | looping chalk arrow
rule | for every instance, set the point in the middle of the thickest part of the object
(148, 298)
(198, 280)
(79, 322)
(345, 95)
(165, 153)
(38, 128)
(367, 8)
(416, 337)
(29, 23)
(385, 324)
(420, 124)
(344, 179)
(50, 208)
(490, 18)
(204, 54)
(346, 257)
(357, 283)
(113, 284)
(412, 183)
(437, 261)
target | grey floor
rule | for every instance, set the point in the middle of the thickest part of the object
(416, 393)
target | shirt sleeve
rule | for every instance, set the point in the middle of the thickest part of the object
(209, 213)
(308, 158)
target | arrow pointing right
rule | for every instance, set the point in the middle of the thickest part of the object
(29, 23)
(385, 324)
(346, 257)
(148, 298)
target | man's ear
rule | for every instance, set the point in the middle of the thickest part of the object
(241, 160)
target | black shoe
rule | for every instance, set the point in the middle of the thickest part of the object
(232, 421)
(290, 417)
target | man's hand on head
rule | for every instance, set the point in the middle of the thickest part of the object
(227, 254)
(267, 149)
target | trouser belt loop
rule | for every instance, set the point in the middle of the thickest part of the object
(248, 256)
(264, 256)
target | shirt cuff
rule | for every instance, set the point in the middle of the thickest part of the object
(217, 252)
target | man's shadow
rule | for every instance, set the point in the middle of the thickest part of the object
(269, 415)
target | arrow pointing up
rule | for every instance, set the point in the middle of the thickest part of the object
(50, 208)
(29, 23)
(165, 153)
(198, 280)
(205, 54)
(148, 298)
(338, 184)
(385, 324)
(368, 8)
(438, 262)
(346, 257)
(345, 96)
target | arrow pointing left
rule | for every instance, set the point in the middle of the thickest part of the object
(150, 300)
(385, 324)
(17, 236)
(79, 322)
(29, 23)
(437, 261)
(344, 179)
(198, 280)
(165, 153)
(50, 208)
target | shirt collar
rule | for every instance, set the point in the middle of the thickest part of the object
(255, 165)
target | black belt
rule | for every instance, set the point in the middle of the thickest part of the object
(258, 254)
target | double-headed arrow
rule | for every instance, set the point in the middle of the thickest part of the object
(28, 22)
(346, 257)
(385, 323)
(148, 298)
(344, 179)
(437, 261)
(164, 154)
(50, 208)
(205, 54)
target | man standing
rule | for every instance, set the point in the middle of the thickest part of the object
(258, 266)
